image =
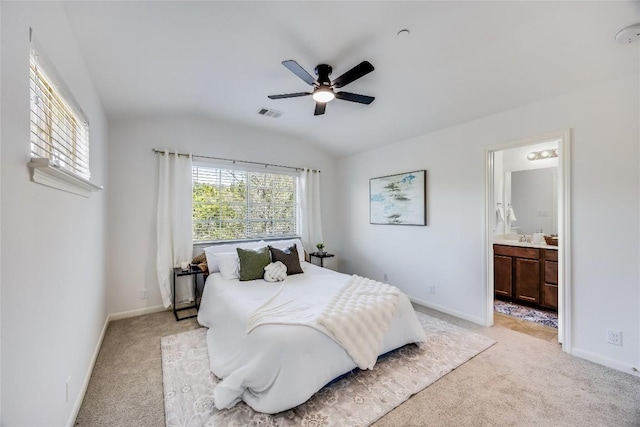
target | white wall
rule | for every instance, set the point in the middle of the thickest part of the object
(0, 226)
(450, 252)
(53, 243)
(133, 185)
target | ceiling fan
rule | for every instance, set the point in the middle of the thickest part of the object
(323, 88)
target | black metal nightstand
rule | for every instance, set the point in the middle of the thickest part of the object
(193, 271)
(322, 256)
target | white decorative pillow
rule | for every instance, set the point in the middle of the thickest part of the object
(229, 264)
(284, 244)
(209, 251)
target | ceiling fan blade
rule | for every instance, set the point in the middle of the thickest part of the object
(354, 97)
(320, 107)
(296, 69)
(355, 73)
(289, 95)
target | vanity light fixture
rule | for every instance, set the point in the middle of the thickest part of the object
(544, 154)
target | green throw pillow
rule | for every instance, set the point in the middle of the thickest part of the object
(288, 257)
(253, 262)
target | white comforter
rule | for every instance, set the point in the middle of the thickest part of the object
(278, 366)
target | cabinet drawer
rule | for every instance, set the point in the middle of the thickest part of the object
(550, 255)
(550, 296)
(516, 251)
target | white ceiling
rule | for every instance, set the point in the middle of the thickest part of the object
(462, 60)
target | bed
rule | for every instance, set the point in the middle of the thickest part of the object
(276, 366)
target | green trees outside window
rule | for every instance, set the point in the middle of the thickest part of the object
(235, 204)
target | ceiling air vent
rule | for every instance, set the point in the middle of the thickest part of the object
(270, 113)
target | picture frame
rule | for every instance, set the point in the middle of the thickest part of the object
(399, 199)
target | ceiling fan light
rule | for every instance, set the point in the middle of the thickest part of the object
(323, 95)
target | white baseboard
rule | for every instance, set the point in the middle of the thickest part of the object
(605, 361)
(446, 310)
(110, 318)
(85, 383)
(136, 312)
(583, 354)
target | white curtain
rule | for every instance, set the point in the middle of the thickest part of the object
(174, 225)
(310, 217)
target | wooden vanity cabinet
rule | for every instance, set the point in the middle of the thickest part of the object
(526, 275)
(503, 274)
(527, 282)
(550, 284)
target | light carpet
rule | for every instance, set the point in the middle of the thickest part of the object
(356, 399)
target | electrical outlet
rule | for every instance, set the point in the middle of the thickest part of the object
(614, 337)
(144, 294)
(385, 278)
(432, 289)
(67, 389)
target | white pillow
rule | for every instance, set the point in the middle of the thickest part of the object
(284, 244)
(229, 264)
(209, 251)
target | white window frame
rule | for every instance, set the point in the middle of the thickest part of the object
(248, 170)
(59, 130)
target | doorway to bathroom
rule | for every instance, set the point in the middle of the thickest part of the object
(527, 236)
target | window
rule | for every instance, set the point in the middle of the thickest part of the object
(231, 204)
(59, 131)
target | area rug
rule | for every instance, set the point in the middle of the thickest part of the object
(356, 399)
(526, 313)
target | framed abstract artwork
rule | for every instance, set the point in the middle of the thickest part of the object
(399, 199)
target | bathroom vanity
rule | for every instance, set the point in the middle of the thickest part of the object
(526, 273)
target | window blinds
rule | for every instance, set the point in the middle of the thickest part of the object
(58, 131)
(230, 204)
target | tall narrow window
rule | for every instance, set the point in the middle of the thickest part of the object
(59, 131)
(231, 204)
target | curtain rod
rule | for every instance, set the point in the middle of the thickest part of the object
(233, 160)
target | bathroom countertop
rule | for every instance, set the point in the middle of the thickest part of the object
(523, 244)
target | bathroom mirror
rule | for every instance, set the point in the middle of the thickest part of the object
(533, 195)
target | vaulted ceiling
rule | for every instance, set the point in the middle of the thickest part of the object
(461, 61)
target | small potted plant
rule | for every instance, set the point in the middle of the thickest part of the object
(320, 247)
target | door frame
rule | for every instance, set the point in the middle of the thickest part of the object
(564, 228)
